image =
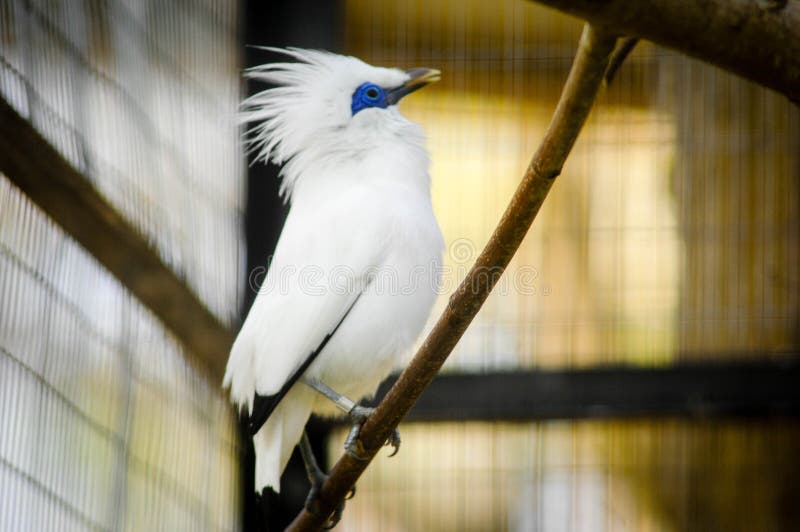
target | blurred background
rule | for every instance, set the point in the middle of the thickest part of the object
(669, 241)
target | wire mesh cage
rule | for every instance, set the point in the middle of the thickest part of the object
(671, 236)
(104, 422)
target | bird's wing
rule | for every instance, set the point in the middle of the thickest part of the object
(264, 405)
(318, 271)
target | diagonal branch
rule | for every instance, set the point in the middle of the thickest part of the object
(624, 48)
(576, 101)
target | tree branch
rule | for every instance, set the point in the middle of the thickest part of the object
(756, 39)
(576, 101)
(621, 53)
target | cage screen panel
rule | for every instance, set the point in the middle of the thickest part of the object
(141, 98)
(670, 235)
(103, 424)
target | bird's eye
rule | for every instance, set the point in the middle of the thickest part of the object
(368, 95)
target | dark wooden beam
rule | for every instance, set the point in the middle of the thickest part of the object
(67, 196)
(279, 23)
(699, 390)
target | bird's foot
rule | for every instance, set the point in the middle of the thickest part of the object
(358, 415)
(312, 500)
(317, 477)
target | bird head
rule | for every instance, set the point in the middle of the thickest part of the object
(329, 105)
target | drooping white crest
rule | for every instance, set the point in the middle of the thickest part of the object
(308, 111)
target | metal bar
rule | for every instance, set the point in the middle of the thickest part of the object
(71, 201)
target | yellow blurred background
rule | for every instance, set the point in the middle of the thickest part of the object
(670, 235)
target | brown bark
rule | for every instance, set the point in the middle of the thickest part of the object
(756, 39)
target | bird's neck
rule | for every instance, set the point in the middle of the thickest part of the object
(393, 159)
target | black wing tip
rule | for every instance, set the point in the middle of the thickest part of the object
(263, 406)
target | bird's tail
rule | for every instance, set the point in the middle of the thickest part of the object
(278, 437)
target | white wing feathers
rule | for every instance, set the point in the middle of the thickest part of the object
(308, 288)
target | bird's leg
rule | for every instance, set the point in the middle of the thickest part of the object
(358, 414)
(342, 403)
(317, 478)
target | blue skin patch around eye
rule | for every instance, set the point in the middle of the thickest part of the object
(368, 95)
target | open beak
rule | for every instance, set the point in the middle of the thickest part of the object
(419, 78)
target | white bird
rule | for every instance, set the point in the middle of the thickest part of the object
(355, 272)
